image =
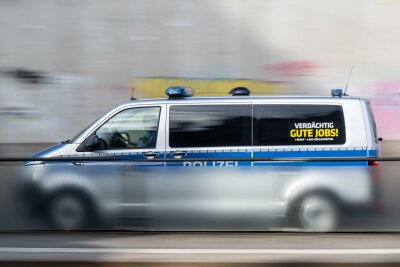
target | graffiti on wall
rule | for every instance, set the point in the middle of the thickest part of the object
(386, 107)
(292, 68)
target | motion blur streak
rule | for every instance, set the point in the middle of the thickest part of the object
(62, 63)
(197, 198)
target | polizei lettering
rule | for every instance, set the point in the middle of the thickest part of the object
(210, 163)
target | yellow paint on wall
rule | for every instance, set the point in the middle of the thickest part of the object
(155, 87)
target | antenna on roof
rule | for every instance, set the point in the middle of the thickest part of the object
(348, 80)
(133, 90)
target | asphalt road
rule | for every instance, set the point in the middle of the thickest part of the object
(250, 248)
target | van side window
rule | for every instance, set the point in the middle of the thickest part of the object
(133, 128)
(210, 125)
(298, 125)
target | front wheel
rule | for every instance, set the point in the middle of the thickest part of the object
(316, 212)
(68, 211)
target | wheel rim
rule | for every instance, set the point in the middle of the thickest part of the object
(318, 213)
(67, 213)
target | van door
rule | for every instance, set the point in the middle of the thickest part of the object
(133, 133)
(193, 198)
(212, 133)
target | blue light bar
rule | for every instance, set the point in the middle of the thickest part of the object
(337, 92)
(179, 91)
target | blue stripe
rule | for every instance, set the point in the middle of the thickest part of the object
(330, 163)
(279, 154)
(47, 150)
(312, 154)
(218, 155)
(259, 154)
(213, 155)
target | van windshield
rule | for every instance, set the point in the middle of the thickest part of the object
(75, 138)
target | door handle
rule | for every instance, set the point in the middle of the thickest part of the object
(78, 163)
(150, 155)
(178, 154)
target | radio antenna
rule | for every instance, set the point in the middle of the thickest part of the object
(348, 80)
(133, 90)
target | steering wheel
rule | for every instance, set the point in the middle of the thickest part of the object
(121, 140)
(125, 136)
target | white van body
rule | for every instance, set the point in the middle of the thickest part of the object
(347, 128)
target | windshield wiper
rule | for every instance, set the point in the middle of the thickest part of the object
(66, 141)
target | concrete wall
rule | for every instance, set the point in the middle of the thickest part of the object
(91, 51)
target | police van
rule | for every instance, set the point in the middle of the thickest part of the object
(241, 126)
(240, 130)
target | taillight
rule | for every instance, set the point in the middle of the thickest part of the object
(375, 203)
(373, 163)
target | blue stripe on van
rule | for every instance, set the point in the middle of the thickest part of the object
(246, 154)
(218, 155)
(47, 150)
(278, 154)
(128, 156)
(311, 154)
(372, 153)
(215, 154)
(331, 163)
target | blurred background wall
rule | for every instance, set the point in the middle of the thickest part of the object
(63, 63)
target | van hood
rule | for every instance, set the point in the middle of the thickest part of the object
(50, 151)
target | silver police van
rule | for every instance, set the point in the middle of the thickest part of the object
(217, 131)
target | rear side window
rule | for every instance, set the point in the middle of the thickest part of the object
(210, 125)
(298, 125)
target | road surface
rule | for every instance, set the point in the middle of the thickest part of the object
(206, 248)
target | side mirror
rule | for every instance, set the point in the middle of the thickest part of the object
(92, 143)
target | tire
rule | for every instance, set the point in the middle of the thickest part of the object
(317, 212)
(69, 211)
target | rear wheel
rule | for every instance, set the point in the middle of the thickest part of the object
(316, 212)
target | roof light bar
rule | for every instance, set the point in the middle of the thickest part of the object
(337, 92)
(238, 91)
(179, 91)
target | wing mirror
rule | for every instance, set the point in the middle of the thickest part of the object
(92, 143)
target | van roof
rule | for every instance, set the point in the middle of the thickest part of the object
(241, 98)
